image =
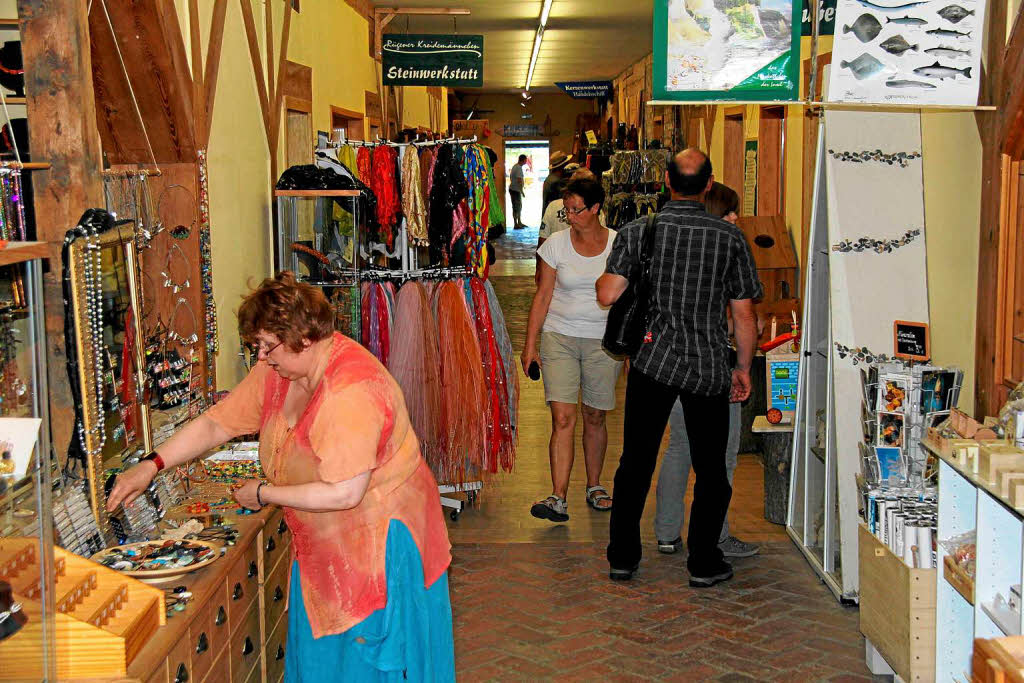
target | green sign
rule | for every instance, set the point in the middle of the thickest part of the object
(727, 50)
(435, 60)
(826, 18)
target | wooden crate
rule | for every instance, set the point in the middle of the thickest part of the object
(103, 618)
(897, 609)
(998, 660)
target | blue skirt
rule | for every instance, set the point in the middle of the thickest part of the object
(410, 638)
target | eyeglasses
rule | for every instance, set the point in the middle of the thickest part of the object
(262, 348)
(563, 213)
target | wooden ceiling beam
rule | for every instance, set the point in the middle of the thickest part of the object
(257, 66)
(212, 71)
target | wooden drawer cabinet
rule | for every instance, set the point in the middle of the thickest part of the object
(275, 650)
(159, 674)
(244, 647)
(275, 593)
(201, 640)
(179, 663)
(243, 583)
(220, 672)
(275, 541)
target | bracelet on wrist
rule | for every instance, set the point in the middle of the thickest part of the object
(155, 458)
(258, 488)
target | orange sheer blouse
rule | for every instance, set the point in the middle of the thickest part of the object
(356, 421)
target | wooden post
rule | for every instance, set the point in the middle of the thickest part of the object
(62, 131)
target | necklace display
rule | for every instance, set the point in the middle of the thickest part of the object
(206, 269)
(12, 209)
(169, 281)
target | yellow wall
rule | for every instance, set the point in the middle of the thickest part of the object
(331, 38)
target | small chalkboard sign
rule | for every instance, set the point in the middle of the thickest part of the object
(910, 340)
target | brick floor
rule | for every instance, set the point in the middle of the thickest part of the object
(511, 627)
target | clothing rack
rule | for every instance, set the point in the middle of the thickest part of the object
(415, 143)
(470, 488)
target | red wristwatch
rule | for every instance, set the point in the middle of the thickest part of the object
(157, 460)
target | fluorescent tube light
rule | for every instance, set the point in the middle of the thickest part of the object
(544, 13)
(533, 57)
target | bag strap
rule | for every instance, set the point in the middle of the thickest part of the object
(647, 246)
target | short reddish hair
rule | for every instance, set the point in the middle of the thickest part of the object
(290, 310)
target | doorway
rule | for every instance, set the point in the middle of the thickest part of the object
(534, 174)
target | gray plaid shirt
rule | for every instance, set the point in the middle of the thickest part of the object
(700, 263)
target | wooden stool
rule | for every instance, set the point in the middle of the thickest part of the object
(776, 454)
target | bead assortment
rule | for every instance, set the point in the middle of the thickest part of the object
(157, 555)
(880, 246)
(901, 159)
(206, 269)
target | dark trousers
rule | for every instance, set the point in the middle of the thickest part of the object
(648, 404)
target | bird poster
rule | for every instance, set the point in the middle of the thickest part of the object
(738, 50)
(919, 52)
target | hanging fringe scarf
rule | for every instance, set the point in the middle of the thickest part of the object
(376, 321)
(364, 164)
(475, 167)
(348, 156)
(385, 187)
(415, 360)
(426, 165)
(500, 445)
(497, 199)
(412, 198)
(508, 357)
(462, 387)
(448, 189)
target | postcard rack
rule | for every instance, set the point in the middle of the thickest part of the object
(102, 619)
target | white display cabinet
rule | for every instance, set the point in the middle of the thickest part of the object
(968, 503)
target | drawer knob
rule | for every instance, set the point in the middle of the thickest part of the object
(253, 570)
(203, 644)
(280, 653)
(271, 545)
(222, 616)
(247, 647)
(238, 592)
(182, 675)
(278, 594)
(282, 527)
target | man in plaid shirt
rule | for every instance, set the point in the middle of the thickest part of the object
(701, 266)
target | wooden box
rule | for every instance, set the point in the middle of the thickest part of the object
(998, 659)
(103, 618)
(897, 609)
(993, 459)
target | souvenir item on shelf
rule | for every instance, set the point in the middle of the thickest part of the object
(12, 617)
(154, 561)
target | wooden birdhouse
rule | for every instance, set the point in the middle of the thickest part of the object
(777, 266)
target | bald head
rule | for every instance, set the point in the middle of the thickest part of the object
(689, 174)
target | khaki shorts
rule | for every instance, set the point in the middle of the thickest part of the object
(572, 364)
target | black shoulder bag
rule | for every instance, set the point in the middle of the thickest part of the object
(629, 316)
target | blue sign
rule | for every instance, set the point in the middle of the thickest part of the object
(783, 384)
(587, 89)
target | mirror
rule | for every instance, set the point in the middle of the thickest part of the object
(104, 299)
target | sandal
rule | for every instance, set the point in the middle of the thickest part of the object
(596, 494)
(552, 508)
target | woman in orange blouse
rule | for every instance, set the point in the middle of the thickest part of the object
(369, 588)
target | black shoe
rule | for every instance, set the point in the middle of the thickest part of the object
(722, 573)
(622, 574)
(670, 547)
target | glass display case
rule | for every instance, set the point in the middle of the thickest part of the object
(26, 469)
(318, 238)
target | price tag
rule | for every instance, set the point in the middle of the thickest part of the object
(591, 137)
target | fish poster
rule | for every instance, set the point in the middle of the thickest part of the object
(741, 50)
(925, 52)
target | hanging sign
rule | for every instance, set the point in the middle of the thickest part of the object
(433, 60)
(722, 50)
(467, 128)
(522, 130)
(900, 52)
(911, 340)
(591, 137)
(587, 89)
(826, 18)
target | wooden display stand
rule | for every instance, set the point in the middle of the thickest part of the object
(897, 609)
(103, 618)
(998, 659)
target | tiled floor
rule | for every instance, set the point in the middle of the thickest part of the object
(532, 600)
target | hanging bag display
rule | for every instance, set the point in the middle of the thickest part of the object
(629, 316)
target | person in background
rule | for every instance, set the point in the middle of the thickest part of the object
(702, 266)
(554, 183)
(368, 597)
(720, 201)
(555, 219)
(515, 191)
(570, 352)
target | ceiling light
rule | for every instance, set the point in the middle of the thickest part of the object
(533, 57)
(544, 13)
